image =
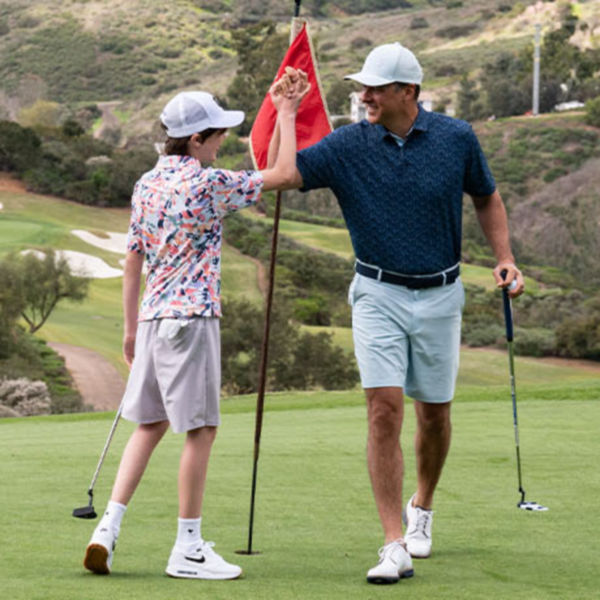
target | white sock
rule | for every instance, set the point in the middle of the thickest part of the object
(188, 532)
(113, 516)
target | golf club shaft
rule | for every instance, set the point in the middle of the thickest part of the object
(105, 449)
(513, 392)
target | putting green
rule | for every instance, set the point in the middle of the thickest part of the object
(315, 522)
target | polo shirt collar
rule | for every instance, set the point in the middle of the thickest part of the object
(421, 123)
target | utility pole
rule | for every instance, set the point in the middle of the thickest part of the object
(536, 70)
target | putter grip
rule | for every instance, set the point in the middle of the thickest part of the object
(507, 311)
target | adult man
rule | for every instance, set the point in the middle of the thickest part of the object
(399, 177)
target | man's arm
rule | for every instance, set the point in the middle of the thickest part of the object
(131, 295)
(493, 220)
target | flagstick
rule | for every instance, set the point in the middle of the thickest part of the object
(262, 378)
(260, 401)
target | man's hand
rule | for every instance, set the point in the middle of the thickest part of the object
(287, 92)
(513, 279)
(129, 349)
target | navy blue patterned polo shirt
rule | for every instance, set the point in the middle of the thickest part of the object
(402, 204)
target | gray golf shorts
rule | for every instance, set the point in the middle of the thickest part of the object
(407, 338)
(176, 374)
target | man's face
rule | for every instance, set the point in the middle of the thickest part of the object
(384, 102)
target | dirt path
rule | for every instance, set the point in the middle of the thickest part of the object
(262, 279)
(109, 119)
(98, 381)
(10, 184)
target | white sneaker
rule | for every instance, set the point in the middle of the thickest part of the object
(99, 553)
(418, 530)
(201, 562)
(394, 564)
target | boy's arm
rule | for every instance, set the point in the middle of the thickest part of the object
(131, 294)
(286, 94)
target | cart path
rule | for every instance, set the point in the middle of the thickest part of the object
(98, 381)
(8, 183)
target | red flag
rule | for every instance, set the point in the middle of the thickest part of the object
(312, 121)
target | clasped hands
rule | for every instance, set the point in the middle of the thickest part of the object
(287, 92)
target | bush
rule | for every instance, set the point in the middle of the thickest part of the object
(25, 397)
(456, 31)
(592, 112)
(534, 342)
(360, 42)
(419, 23)
(482, 335)
(313, 310)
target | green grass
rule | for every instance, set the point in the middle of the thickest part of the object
(29, 221)
(316, 524)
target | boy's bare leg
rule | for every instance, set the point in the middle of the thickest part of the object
(135, 458)
(192, 471)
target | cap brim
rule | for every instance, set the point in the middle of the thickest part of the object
(368, 79)
(229, 118)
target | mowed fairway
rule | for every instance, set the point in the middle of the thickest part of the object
(316, 525)
(33, 221)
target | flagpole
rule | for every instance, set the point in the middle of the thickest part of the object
(262, 378)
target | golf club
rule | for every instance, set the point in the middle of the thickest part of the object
(534, 506)
(88, 512)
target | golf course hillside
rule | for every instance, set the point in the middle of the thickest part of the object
(120, 61)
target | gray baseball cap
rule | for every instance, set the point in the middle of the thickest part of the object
(193, 112)
(387, 64)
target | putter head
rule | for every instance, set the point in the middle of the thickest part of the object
(534, 506)
(85, 512)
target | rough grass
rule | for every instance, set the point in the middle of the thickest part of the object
(316, 525)
(29, 221)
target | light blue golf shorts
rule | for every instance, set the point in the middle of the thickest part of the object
(407, 338)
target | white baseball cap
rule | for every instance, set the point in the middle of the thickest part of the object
(193, 112)
(387, 64)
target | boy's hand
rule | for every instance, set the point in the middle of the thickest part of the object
(287, 92)
(129, 349)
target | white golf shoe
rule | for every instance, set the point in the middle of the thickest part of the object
(99, 552)
(418, 530)
(201, 562)
(394, 564)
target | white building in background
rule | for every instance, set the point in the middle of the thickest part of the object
(358, 110)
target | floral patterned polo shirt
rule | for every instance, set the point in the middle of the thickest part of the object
(177, 211)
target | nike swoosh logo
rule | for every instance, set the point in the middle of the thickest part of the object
(196, 560)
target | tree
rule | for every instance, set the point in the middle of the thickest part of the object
(11, 303)
(338, 97)
(470, 105)
(47, 281)
(260, 50)
(19, 147)
(41, 112)
(592, 112)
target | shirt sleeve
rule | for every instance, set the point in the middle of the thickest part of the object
(135, 240)
(478, 177)
(233, 190)
(315, 163)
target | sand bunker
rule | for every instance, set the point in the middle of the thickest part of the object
(84, 265)
(115, 242)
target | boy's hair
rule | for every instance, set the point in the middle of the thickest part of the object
(179, 146)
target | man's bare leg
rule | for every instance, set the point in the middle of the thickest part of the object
(432, 442)
(385, 411)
